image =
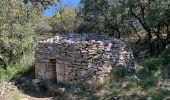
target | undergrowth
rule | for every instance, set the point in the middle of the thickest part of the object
(141, 85)
(18, 68)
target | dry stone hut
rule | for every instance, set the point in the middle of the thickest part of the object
(76, 57)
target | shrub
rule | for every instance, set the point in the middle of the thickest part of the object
(158, 94)
(152, 64)
(151, 72)
(150, 78)
(79, 88)
(15, 69)
(165, 58)
(151, 81)
(120, 72)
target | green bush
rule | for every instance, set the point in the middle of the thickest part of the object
(152, 64)
(120, 72)
(139, 46)
(19, 68)
(3, 74)
(158, 94)
(151, 81)
(116, 90)
(165, 58)
(151, 72)
(150, 78)
(79, 88)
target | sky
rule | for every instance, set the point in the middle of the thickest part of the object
(51, 9)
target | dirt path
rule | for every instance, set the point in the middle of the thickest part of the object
(21, 96)
(10, 92)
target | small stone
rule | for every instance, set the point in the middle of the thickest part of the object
(36, 81)
(61, 89)
(89, 82)
(125, 85)
(100, 68)
(114, 98)
(149, 98)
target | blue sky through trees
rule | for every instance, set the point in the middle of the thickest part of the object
(51, 9)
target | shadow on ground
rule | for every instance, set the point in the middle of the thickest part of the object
(24, 82)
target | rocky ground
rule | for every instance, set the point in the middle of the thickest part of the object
(22, 88)
(28, 88)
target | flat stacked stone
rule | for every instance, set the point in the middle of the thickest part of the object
(80, 57)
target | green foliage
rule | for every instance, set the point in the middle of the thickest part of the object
(64, 21)
(151, 64)
(6, 75)
(16, 96)
(134, 87)
(44, 3)
(116, 90)
(140, 47)
(158, 94)
(20, 29)
(165, 57)
(120, 72)
(121, 17)
(150, 81)
(151, 73)
(103, 16)
(82, 87)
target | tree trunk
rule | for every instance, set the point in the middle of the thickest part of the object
(134, 29)
(117, 29)
(149, 35)
(151, 46)
(158, 31)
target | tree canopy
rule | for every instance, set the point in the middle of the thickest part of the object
(121, 17)
(42, 2)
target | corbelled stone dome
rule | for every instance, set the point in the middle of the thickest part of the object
(75, 57)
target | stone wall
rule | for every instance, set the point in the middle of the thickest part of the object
(80, 57)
